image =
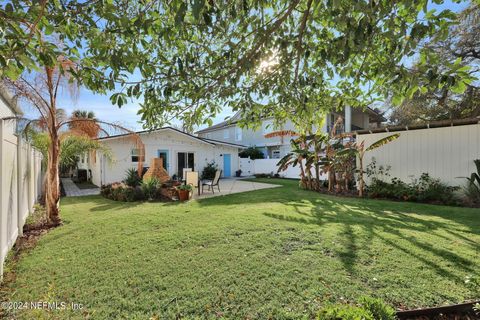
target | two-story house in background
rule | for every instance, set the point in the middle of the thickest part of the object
(277, 147)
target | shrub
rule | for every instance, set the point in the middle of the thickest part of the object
(472, 189)
(379, 309)
(424, 189)
(344, 312)
(129, 194)
(208, 172)
(368, 309)
(121, 192)
(106, 190)
(263, 175)
(252, 153)
(132, 178)
(149, 188)
(433, 190)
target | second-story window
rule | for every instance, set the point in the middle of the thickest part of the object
(226, 134)
(238, 134)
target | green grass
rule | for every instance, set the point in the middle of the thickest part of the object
(280, 253)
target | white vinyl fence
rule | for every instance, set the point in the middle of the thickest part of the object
(269, 166)
(446, 153)
(20, 186)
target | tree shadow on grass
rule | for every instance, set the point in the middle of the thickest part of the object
(374, 223)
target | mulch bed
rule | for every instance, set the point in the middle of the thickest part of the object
(462, 311)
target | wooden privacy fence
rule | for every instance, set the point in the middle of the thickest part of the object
(20, 185)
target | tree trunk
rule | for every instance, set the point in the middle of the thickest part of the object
(360, 178)
(302, 173)
(52, 190)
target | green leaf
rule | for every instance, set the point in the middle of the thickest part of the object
(197, 8)
(49, 29)
(383, 141)
(459, 87)
(180, 16)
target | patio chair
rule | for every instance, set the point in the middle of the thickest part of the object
(192, 179)
(213, 183)
(184, 173)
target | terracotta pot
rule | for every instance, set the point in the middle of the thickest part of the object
(183, 195)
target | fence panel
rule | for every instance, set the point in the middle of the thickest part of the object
(20, 186)
(446, 153)
(269, 166)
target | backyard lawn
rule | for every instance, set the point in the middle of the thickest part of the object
(280, 253)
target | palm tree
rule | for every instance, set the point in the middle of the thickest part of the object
(86, 123)
(40, 90)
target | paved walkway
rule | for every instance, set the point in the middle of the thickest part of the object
(230, 186)
(72, 190)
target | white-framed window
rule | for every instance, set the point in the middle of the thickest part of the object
(226, 134)
(238, 134)
(276, 154)
(137, 155)
(267, 126)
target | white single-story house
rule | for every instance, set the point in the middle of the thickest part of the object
(179, 149)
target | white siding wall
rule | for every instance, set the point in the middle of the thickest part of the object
(104, 172)
(446, 153)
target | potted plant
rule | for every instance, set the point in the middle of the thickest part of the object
(184, 192)
(238, 173)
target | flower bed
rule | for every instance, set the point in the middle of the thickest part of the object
(120, 191)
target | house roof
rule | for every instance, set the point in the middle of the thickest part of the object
(377, 117)
(191, 136)
(427, 125)
(10, 101)
(234, 119)
(225, 143)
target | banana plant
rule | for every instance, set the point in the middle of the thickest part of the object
(299, 152)
(358, 149)
(474, 180)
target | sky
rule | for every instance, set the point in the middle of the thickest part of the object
(127, 115)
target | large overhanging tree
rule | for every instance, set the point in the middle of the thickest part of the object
(287, 59)
(290, 59)
(189, 59)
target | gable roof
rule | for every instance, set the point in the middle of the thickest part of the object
(188, 135)
(225, 143)
(233, 120)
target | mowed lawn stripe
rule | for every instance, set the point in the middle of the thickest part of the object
(281, 253)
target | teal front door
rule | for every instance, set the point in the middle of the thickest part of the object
(227, 164)
(164, 155)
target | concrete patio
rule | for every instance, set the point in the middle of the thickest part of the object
(231, 186)
(227, 186)
(71, 189)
